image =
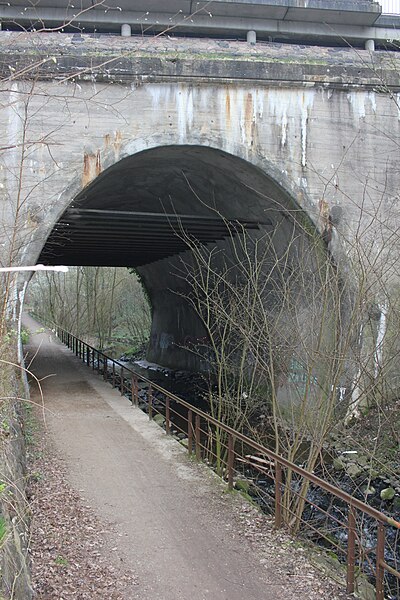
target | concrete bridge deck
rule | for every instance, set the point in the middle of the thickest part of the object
(181, 534)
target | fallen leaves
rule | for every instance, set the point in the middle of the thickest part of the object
(70, 557)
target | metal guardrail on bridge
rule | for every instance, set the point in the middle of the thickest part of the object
(200, 429)
(390, 7)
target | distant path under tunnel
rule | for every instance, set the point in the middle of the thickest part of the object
(182, 536)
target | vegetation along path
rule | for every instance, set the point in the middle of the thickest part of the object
(173, 523)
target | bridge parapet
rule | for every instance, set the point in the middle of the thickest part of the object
(84, 57)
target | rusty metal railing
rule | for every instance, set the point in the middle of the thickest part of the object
(200, 429)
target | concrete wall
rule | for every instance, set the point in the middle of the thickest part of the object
(315, 123)
(14, 507)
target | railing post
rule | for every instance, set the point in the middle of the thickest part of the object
(380, 557)
(278, 495)
(197, 437)
(167, 416)
(150, 399)
(105, 367)
(113, 374)
(133, 390)
(122, 381)
(351, 549)
(231, 458)
(190, 431)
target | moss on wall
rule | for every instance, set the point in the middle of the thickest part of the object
(14, 509)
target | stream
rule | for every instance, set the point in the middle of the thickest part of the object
(191, 387)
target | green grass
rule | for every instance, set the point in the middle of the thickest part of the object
(3, 530)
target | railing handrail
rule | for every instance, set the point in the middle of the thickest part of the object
(277, 458)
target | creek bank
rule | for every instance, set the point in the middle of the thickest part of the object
(357, 472)
(186, 384)
(354, 471)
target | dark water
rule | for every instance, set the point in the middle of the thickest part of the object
(322, 511)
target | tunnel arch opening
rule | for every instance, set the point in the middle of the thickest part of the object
(138, 211)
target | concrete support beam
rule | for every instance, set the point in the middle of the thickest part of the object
(251, 38)
(370, 45)
(126, 30)
(293, 28)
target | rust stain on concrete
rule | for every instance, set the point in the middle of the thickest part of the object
(323, 211)
(86, 169)
(248, 117)
(227, 109)
(91, 167)
(114, 142)
(326, 220)
(98, 163)
(117, 142)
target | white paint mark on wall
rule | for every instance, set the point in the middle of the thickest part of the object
(179, 101)
(306, 103)
(372, 99)
(284, 130)
(160, 95)
(238, 112)
(185, 111)
(286, 106)
(359, 102)
(280, 104)
(380, 337)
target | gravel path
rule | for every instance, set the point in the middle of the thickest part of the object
(169, 520)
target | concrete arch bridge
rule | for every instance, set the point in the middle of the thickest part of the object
(111, 145)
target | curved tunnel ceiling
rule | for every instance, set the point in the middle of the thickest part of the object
(130, 214)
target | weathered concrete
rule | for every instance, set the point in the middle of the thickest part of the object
(262, 131)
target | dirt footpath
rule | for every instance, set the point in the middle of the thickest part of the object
(174, 525)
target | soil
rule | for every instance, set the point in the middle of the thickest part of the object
(377, 435)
